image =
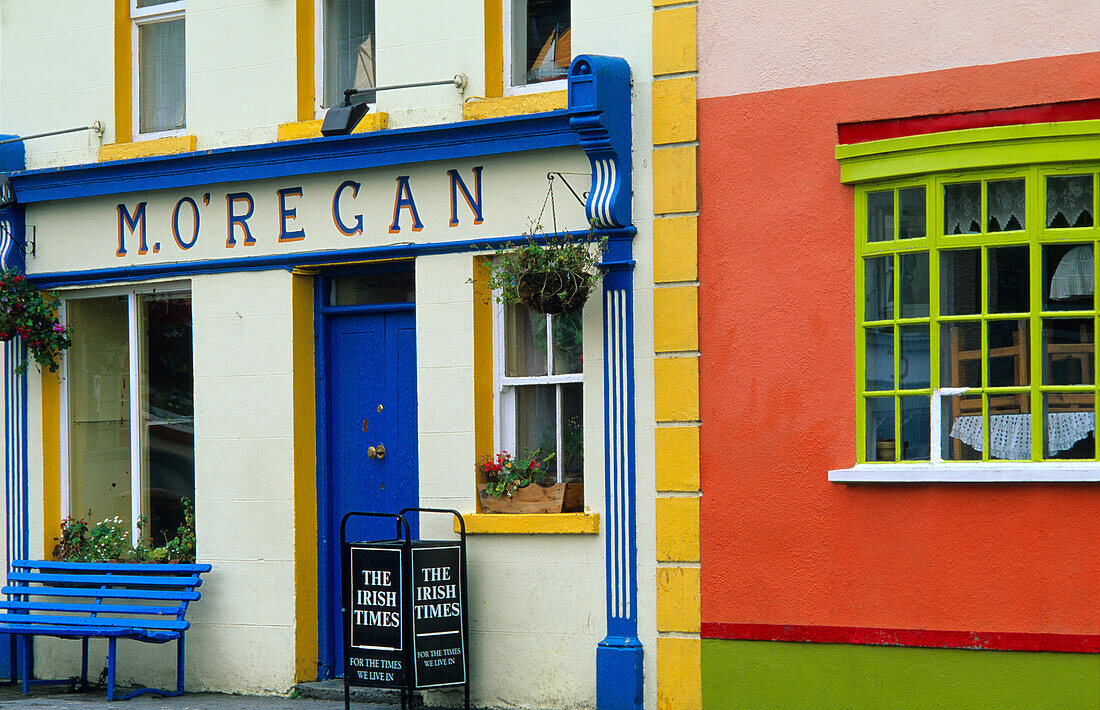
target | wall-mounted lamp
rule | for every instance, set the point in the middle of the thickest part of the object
(342, 120)
(96, 126)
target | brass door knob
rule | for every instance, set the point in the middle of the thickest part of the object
(376, 452)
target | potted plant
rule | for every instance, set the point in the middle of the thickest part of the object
(551, 277)
(520, 484)
(32, 315)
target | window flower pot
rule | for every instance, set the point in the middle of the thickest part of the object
(556, 498)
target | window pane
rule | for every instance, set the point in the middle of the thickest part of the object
(880, 216)
(880, 359)
(1068, 351)
(1070, 425)
(369, 289)
(1009, 364)
(151, 3)
(349, 50)
(1009, 282)
(880, 429)
(960, 282)
(913, 285)
(962, 208)
(99, 409)
(568, 343)
(536, 420)
(915, 427)
(1069, 201)
(911, 220)
(915, 364)
(168, 413)
(962, 422)
(524, 342)
(572, 432)
(1005, 204)
(1068, 278)
(161, 81)
(542, 37)
(961, 355)
(879, 288)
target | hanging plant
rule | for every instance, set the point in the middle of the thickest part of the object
(555, 276)
(31, 314)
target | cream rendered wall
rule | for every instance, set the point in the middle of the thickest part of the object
(761, 46)
(241, 59)
(242, 634)
(535, 601)
(58, 67)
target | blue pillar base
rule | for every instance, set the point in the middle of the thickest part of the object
(619, 673)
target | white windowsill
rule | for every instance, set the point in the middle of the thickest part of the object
(962, 472)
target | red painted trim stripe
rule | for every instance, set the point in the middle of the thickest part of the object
(975, 640)
(862, 132)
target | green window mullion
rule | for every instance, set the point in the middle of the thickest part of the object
(983, 296)
(1035, 334)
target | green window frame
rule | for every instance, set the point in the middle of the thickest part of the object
(963, 352)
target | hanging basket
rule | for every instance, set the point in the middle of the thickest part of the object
(553, 292)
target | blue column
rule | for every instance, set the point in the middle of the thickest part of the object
(600, 113)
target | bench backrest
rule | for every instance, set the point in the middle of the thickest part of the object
(148, 596)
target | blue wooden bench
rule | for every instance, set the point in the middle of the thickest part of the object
(80, 600)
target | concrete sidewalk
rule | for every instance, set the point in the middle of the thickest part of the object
(56, 697)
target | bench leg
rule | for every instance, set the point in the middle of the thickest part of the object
(84, 662)
(111, 668)
(25, 662)
(179, 664)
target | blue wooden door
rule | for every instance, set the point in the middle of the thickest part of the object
(371, 404)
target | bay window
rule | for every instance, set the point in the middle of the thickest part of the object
(978, 315)
(130, 410)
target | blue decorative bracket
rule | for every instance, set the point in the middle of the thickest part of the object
(599, 111)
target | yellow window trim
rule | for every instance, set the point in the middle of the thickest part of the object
(146, 149)
(531, 523)
(969, 149)
(517, 105)
(312, 128)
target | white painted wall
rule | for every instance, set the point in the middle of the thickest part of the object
(746, 47)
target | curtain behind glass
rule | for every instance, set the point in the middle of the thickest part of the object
(349, 49)
(162, 84)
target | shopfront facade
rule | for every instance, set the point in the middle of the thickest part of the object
(249, 319)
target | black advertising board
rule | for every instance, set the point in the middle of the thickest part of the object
(439, 648)
(404, 609)
(374, 648)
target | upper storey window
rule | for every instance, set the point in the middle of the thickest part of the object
(160, 58)
(348, 44)
(539, 41)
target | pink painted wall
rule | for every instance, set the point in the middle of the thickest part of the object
(780, 544)
(747, 47)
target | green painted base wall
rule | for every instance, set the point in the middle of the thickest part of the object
(741, 675)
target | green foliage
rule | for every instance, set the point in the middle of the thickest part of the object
(31, 314)
(107, 541)
(507, 474)
(555, 270)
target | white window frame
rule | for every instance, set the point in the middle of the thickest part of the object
(319, 48)
(510, 57)
(132, 294)
(145, 16)
(504, 388)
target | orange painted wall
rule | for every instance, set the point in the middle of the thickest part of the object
(780, 544)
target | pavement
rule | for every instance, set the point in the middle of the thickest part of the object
(325, 696)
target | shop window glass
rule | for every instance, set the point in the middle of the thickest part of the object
(348, 50)
(542, 389)
(114, 468)
(160, 63)
(540, 40)
(999, 336)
